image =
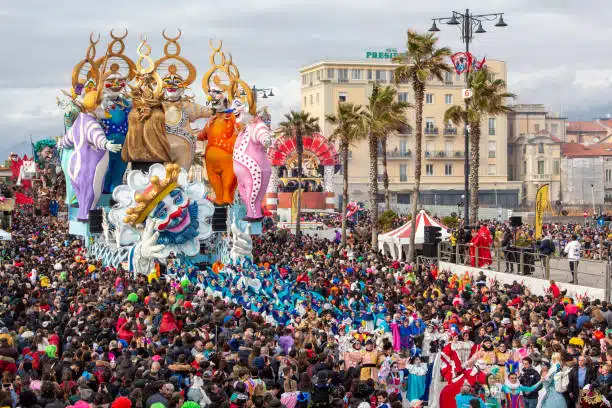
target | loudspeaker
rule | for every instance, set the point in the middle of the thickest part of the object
(95, 221)
(516, 221)
(430, 250)
(219, 219)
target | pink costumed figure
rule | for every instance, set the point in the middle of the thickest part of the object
(252, 167)
(395, 329)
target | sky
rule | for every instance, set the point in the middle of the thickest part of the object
(557, 51)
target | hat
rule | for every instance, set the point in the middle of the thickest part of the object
(121, 402)
(506, 320)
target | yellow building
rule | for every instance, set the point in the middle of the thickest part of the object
(326, 83)
(534, 151)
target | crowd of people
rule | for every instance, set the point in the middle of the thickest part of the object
(308, 325)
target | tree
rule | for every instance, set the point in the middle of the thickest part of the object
(299, 124)
(352, 123)
(386, 116)
(489, 99)
(421, 61)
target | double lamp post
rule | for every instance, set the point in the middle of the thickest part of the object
(470, 24)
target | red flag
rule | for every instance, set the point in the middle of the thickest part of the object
(462, 61)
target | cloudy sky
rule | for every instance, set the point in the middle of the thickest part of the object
(557, 51)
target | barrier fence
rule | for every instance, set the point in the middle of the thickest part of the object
(529, 262)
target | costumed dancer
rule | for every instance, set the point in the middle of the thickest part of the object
(416, 378)
(483, 241)
(453, 388)
(554, 383)
(512, 389)
(180, 109)
(369, 362)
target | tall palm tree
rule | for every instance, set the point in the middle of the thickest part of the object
(352, 124)
(421, 61)
(386, 115)
(489, 99)
(299, 124)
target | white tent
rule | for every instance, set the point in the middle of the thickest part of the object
(5, 236)
(393, 243)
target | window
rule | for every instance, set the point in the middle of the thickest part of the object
(391, 76)
(428, 148)
(608, 175)
(556, 167)
(403, 169)
(318, 75)
(510, 173)
(536, 127)
(304, 79)
(524, 149)
(330, 73)
(554, 129)
(524, 167)
(381, 75)
(491, 126)
(310, 77)
(448, 77)
(430, 123)
(448, 148)
(448, 169)
(403, 146)
(342, 97)
(540, 166)
(429, 170)
(510, 150)
(458, 77)
(304, 101)
(429, 99)
(356, 74)
(491, 170)
(343, 75)
(448, 99)
(369, 74)
(492, 149)
(402, 97)
(541, 148)
(311, 99)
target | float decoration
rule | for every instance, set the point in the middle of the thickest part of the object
(178, 74)
(160, 212)
(146, 140)
(115, 107)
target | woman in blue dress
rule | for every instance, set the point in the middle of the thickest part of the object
(416, 376)
(549, 396)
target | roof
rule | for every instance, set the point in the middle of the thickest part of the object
(402, 234)
(585, 127)
(580, 150)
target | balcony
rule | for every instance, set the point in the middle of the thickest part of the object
(395, 154)
(448, 83)
(430, 131)
(450, 131)
(444, 155)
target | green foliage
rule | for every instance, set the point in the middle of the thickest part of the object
(387, 219)
(450, 221)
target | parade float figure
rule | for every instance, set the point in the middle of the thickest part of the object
(16, 165)
(221, 130)
(71, 112)
(46, 158)
(160, 212)
(180, 109)
(88, 163)
(251, 164)
(115, 107)
(27, 173)
(146, 142)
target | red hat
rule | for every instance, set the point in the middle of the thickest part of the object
(121, 402)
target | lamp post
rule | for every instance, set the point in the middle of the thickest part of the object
(468, 22)
(265, 92)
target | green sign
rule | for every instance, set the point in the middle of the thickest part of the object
(389, 53)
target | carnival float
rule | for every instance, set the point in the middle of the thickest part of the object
(129, 149)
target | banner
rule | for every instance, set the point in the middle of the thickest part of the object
(542, 205)
(466, 61)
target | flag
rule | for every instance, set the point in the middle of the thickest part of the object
(542, 205)
(462, 61)
(478, 65)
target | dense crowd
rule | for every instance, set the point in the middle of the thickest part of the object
(310, 325)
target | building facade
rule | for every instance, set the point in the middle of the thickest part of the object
(534, 151)
(326, 83)
(586, 174)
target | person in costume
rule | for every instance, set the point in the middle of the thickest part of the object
(464, 346)
(416, 378)
(180, 110)
(369, 362)
(592, 398)
(512, 389)
(481, 240)
(492, 392)
(552, 373)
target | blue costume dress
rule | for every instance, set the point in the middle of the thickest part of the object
(416, 378)
(115, 126)
(551, 397)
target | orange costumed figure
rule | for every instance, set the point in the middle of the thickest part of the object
(221, 130)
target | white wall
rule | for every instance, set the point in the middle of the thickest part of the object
(535, 285)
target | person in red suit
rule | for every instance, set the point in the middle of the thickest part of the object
(481, 240)
(469, 377)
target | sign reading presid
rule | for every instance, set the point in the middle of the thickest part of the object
(389, 53)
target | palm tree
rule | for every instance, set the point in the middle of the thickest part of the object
(421, 61)
(352, 124)
(489, 99)
(299, 124)
(386, 116)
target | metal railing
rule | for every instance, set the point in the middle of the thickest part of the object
(432, 131)
(450, 131)
(530, 262)
(444, 154)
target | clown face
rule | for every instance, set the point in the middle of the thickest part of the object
(174, 87)
(239, 110)
(14, 157)
(114, 86)
(171, 214)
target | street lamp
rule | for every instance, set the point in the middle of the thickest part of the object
(468, 22)
(265, 92)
